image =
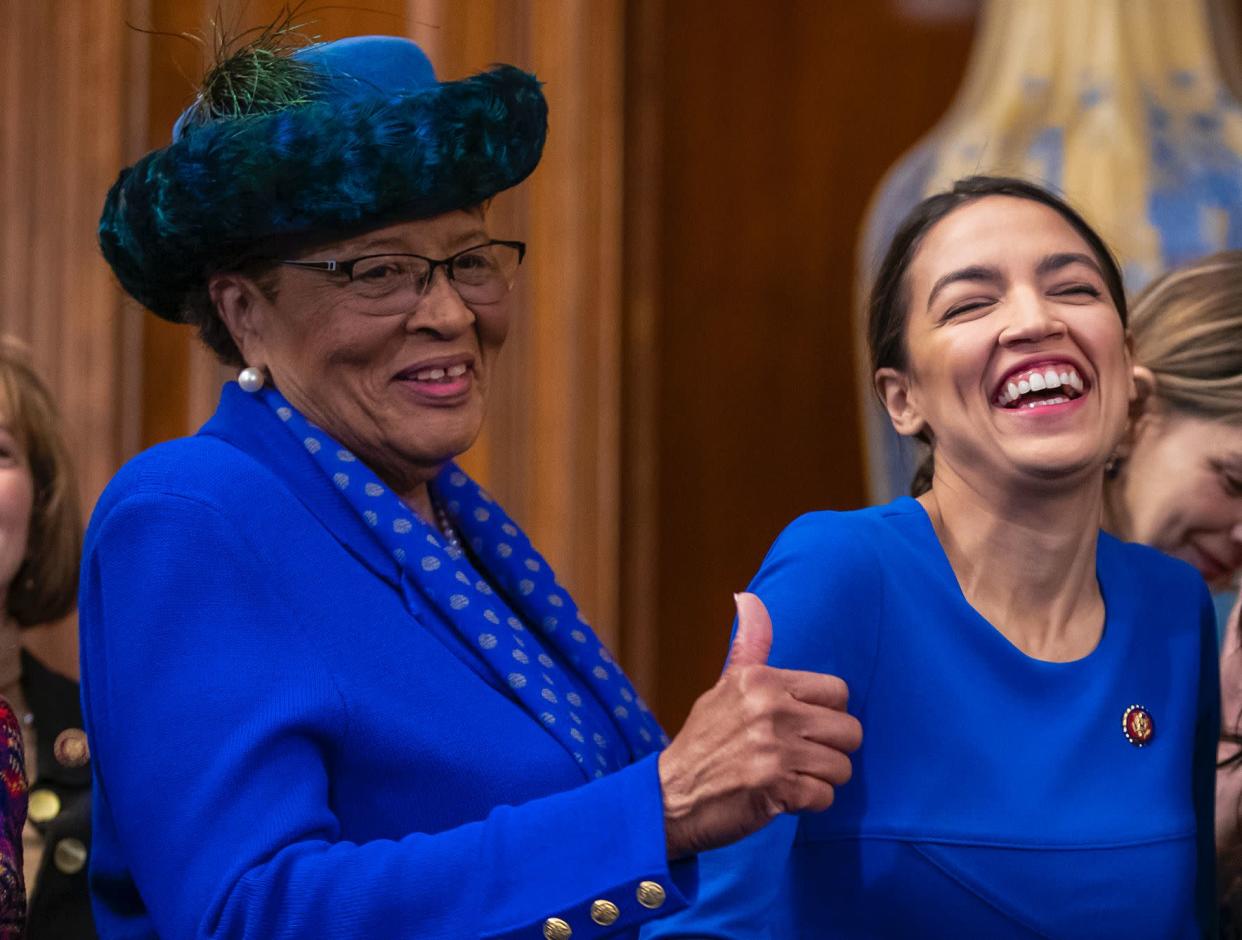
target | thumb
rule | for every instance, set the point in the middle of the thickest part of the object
(753, 640)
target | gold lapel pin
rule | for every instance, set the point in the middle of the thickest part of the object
(1137, 725)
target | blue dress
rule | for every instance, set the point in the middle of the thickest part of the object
(289, 740)
(994, 795)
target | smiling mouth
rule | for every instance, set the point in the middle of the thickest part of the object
(1040, 387)
(444, 383)
(437, 374)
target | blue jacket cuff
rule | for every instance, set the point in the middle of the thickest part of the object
(614, 867)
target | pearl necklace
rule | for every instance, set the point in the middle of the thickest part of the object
(445, 525)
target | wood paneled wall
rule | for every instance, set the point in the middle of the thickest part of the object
(773, 123)
(65, 128)
(66, 125)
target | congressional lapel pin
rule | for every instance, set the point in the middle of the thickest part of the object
(1137, 725)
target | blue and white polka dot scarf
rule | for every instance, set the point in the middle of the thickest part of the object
(493, 626)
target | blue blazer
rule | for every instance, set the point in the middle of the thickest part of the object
(287, 742)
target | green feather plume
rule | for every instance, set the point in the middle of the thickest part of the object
(256, 75)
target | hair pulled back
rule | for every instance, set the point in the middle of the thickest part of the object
(888, 306)
(1187, 329)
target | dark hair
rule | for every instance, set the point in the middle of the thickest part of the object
(199, 310)
(45, 587)
(887, 308)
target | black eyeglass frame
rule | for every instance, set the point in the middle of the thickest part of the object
(335, 266)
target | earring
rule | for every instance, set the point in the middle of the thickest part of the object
(1112, 467)
(250, 379)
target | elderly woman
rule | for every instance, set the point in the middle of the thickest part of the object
(1039, 698)
(332, 689)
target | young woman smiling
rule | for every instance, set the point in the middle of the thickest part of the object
(1039, 699)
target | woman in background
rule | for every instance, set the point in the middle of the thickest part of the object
(1039, 699)
(1176, 482)
(40, 543)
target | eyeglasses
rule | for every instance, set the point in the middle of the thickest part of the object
(483, 274)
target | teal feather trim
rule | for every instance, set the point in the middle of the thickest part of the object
(225, 186)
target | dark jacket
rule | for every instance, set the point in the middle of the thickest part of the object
(59, 904)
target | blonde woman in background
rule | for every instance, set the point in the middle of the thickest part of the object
(40, 547)
(1176, 482)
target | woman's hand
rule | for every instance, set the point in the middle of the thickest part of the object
(761, 742)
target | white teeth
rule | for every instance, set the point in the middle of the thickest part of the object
(1038, 381)
(1043, 403)
(436, 374)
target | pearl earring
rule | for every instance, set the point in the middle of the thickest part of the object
(250, 379)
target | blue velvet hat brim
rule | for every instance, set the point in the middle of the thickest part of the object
(184, 211)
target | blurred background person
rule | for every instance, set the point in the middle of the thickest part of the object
(13, 902)
(41, 543)
(1176, 481)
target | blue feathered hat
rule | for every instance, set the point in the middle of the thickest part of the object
(359, 132)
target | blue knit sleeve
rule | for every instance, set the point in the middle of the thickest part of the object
(822, 584)
(212, 722)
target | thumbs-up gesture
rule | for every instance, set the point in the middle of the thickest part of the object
(762, 741)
